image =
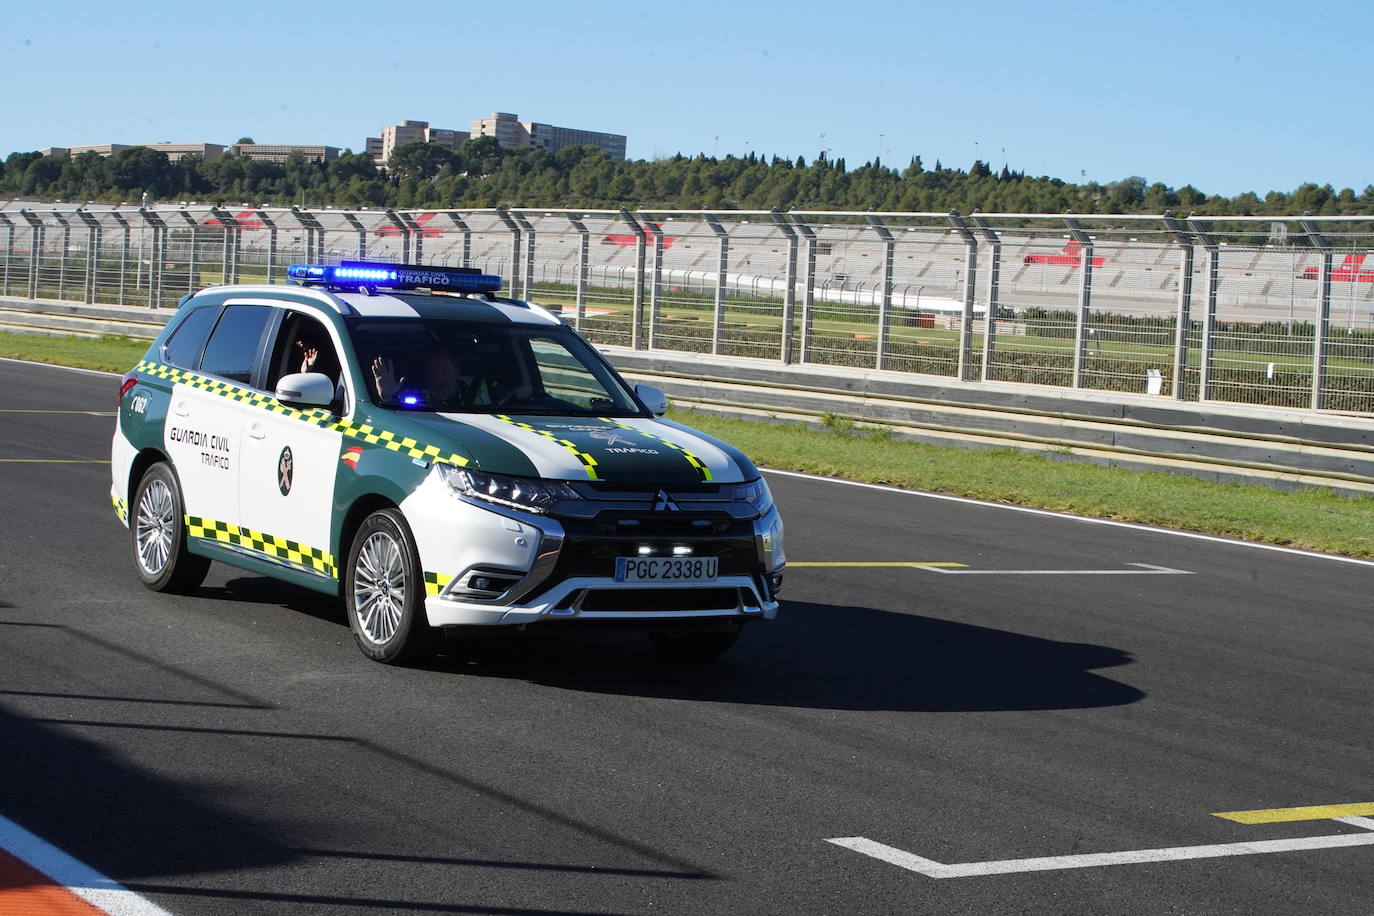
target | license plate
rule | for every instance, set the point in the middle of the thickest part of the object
(666, 569)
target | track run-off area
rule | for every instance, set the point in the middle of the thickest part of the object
(961, 708)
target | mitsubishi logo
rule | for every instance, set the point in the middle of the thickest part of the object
(664, 503)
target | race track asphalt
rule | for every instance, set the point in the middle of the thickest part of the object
(1070, 688)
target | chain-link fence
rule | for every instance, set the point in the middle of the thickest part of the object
(1271, 311)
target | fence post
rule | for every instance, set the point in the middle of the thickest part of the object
(637, 315)
(356, 225)
(789, 300)
(885, 304)
(271, 242)
(93, 234)
(994, 293)
(1183, 321)
(965, 367)
(1085, 300)
(1322, 327)
(9, 253)
(157, 253)
(401, 229)
(37, 232)
(1206, 363)
(417, 236)
(467, 237)
(191, 224)
(314, 237)
(722, 278)
(656, 284)
(808, 288)
(584, 254)
(527, 276)
(62, 258)
(514, 231)
(123, 254)
(226, 223)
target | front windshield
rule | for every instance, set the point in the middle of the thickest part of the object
(451, 366)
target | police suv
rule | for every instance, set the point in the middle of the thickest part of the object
(441, 457)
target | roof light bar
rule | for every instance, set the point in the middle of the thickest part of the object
(358, 274)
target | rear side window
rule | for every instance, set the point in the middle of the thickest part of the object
(184, 346)
(235, 343)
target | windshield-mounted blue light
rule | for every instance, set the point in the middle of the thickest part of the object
(359, 274)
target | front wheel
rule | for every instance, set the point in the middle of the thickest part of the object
(384, 590)
(157, 523)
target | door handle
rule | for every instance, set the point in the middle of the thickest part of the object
(257, 432)
(181, 410)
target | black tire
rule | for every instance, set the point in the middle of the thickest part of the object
(384, 591)
(157, 527)
(697, 644)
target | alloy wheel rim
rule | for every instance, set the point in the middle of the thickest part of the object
(153, 527)
(379, 588)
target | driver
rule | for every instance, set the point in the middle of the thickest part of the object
(438, 383)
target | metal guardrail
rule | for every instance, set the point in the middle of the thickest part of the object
(1250, 310)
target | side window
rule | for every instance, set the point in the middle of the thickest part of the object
(184, 346)
(302, 345)
(234, 344)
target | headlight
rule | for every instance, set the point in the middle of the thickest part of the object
(756, 494)
(526, 493)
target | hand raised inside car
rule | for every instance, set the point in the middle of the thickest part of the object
(384, 376)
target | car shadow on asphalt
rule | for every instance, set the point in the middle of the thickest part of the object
(814, 655)
(823, 657)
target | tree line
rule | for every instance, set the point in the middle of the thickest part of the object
(482, 174)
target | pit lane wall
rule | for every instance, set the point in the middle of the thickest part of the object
(1262, 311)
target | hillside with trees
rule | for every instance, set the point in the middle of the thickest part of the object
(482, 174)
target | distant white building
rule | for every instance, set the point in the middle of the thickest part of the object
(174, 151)
(513, 133)
(397, 135)
(263, 152)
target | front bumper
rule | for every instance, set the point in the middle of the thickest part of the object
(495, 566)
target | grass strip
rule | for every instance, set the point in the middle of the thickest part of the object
(111, 353)
(1315, 519)
(1311, 519)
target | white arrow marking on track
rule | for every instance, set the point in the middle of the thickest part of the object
(932, 869)
(1143, 569)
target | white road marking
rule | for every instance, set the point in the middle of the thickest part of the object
(932, 869)
(78, 877)
(1146, 569)
(1047, 513)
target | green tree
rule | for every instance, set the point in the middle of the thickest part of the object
(418, 160)
(141, 169)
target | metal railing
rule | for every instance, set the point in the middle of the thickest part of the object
(1273, 311)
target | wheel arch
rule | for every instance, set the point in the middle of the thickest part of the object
(360, 509)
(145, 459)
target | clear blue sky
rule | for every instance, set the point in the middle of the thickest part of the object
(1229, 97)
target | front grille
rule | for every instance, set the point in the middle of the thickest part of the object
(660, 599)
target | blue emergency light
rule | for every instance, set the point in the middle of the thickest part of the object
(376, 274)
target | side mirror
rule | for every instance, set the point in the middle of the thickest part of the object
(652, 398)
(305, 389)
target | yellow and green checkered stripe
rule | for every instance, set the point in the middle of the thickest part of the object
(435, 582)
(588, 462)
(693, 460)
(121, 508)
(311, 558)
(369, 434)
